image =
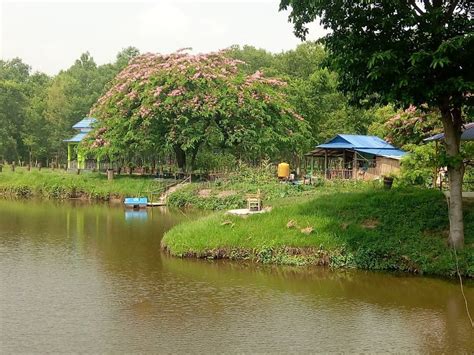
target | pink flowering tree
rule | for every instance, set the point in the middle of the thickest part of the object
(182, 102)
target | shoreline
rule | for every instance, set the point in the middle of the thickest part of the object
(336, 225)
(349, 230)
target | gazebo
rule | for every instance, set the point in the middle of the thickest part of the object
(467, 135)
(349, 156)
(75, 160)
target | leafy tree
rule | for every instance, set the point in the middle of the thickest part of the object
(14, 70)
(301, 62)
(406, 52)
(12, 115)
(325, 108)
(35, 127)
(182, 102)
(124, 57)
(72, 93)
(254, 58)
(408, 126)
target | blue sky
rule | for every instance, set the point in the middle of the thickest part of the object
(50, 35)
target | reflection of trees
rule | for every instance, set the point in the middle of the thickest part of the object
(429, 310)
(198, 302)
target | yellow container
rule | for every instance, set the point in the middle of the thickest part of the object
(283, 170)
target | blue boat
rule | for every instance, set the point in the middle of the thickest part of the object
(135, 202)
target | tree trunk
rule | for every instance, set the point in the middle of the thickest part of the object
(194, 155)
(180, 158)
(452, 123)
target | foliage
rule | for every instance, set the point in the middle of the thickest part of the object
(406, 53)
(351, 229)
(313, 88)
(37, 111)
(396, 49)
(182, 102)
(418, 167)
(12, 116)
(408, 126)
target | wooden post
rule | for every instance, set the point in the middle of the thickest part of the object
(325, 164)
(344, 164)
(69, 156)
(354, 166)
(110, 174)
(13, 166)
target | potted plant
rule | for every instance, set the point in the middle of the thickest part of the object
(388, 180)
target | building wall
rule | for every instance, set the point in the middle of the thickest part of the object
(384, 166)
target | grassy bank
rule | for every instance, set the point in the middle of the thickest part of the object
(59, 184)
(231, 193)
(402, 230)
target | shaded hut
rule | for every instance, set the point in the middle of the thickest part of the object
(76, 160)
(349, 156)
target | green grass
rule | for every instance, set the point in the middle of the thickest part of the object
(231, 194)
(399, 229)
(59, 184)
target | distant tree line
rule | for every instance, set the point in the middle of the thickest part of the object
(37, 111)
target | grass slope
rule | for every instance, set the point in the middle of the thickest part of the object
(59, 184)
(373, 229)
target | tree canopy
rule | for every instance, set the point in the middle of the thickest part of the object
(37, 111)
(403, 52)
(182, 102)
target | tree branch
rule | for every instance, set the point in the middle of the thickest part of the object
(452, 7)
(416, 7)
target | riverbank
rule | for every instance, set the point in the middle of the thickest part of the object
(217, 195)
(401, 230)
(58, 184)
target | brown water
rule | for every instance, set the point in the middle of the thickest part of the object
(89, 278)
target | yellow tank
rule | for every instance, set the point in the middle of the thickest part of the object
(283, 170)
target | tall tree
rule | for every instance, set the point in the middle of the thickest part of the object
(408, 52)
(182, 102)
(12, 116)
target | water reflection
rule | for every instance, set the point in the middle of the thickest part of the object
(91, 278)
(131, 215)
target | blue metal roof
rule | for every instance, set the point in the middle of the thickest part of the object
(350, 141)
(364, 144)
(77, 138)
(86, 122)
(389, 153)
(467, 134)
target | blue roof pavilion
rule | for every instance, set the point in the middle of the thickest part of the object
(85, 124)
(74, 158)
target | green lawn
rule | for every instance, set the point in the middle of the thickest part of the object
(372, 229)
(59, 184)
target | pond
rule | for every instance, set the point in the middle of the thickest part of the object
(92, 278)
